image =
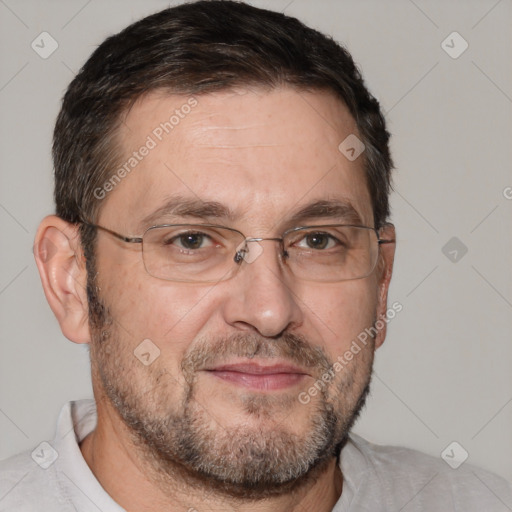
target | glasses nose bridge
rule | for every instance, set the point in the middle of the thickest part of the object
(241, 254)
(271, 239)
(259, 239)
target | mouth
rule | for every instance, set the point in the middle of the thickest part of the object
(259, 376)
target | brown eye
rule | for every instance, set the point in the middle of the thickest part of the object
(191, 240)
(317, 241)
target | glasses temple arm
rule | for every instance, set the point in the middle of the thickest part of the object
(128, 239)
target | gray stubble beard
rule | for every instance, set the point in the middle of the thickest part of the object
(184, 447)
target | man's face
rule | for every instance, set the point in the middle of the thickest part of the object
(222, 398)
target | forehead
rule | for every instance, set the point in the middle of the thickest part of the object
(262, 155)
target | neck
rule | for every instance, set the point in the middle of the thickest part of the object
(128, 477)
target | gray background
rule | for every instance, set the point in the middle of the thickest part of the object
(443, 374)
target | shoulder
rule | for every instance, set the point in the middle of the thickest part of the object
(405, 476)
(51, 476)
(29, 487)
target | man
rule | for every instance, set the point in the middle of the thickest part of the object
(222, 243)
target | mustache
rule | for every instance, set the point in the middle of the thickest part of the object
(292, 347)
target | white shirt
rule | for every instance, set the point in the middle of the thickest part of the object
(54, 477)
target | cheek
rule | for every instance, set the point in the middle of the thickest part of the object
(337, 314)
(169, 314)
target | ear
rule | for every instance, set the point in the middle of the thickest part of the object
(61, 264)
(385, 270)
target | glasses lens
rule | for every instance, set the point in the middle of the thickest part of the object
(206, 253)
(190, 253)
(332, 253)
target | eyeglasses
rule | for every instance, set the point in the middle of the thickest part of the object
(208, 253)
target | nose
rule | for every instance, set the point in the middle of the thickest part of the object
(261, 295)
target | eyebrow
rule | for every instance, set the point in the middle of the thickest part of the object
(178, 206)
(338, 210)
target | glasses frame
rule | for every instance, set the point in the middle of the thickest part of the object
(239, 255)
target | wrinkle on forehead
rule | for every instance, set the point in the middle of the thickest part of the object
(260, 153)
(238, 146)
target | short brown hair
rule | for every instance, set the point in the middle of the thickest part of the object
(198, 48)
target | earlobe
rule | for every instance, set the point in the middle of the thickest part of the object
(387, 255)
(61, 266)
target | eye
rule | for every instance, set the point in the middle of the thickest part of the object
(190, 241)
(318, 241)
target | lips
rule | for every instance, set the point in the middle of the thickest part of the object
(261, 377)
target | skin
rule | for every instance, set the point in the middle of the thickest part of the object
(264, 154)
